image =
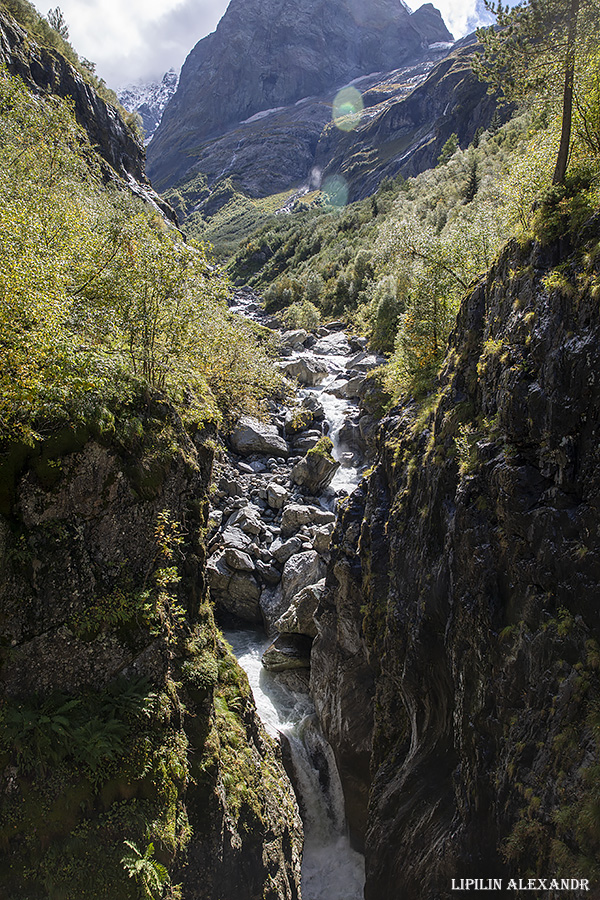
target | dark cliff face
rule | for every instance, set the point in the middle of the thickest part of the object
(124, 716)
(468, 567)
(265, 55)
(406, 134)
(46, 71)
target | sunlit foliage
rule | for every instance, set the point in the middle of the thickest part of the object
(98, 296)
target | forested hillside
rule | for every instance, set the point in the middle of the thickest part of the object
(130, 752)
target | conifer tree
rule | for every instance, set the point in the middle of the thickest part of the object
(472, 184)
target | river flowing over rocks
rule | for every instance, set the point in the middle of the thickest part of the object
(277, 487)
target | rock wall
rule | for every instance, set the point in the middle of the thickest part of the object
(45, 70)
(404, 134)
(463, 586)
(129, 732)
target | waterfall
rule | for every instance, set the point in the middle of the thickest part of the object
(331, 869)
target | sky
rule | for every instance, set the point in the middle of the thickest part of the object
(139, 40)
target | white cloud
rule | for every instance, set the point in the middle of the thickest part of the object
(139, 40)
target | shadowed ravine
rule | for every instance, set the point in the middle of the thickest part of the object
(332, 869)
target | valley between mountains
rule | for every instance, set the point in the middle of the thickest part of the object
(299, 460)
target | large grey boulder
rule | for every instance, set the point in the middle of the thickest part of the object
(234, 537)
(315, 471)
(353, 388)
(247, 519)
(295, 515)
(299, 616)
(282, 550)
(298, 419)
(272, 606)
(364, 362)
(299, 571)
(238, 592)
(251, 436)
(277, 495)
(332, 345)
(304, 442)
(312, 403)
(322, 538)
(268, 573)
(294, 339)
(306, 369)
(238, 561)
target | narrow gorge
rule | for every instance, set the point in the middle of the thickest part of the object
(299, 542)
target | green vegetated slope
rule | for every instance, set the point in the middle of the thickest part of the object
(132, 761)
(102, 298)
(396, 265)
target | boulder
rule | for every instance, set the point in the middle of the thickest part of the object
(276, 495)
(268, 573)
(251, 436)
(305, 442)
(349, 434)
(282, 551)
(234, 537)
(232, 487)
(322, 538)
(357, 344)
(354, 387)
(289, 651)
(333, 344)
(294, 339)
(317, 469)
(295, 515)
(306, 369)
(299, 617)
(298, 419)
(312, 403)
(237, 592)
(299, 571)
(215, 520)
(238, 560)
(338, 388)
(248, 519)
(368, 427)
(364, 362)
(272, 606)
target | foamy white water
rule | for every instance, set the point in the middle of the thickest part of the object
(331, 869)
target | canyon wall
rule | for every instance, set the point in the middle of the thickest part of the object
(456, 666)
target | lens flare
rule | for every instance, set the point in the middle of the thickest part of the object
(335, 191)
(347, 109)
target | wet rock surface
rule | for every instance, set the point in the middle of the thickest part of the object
(277, 487)
(452, 670)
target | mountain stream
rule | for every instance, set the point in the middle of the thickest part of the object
(331, 869)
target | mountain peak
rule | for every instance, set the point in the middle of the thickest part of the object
(266, 54)
(150, 100)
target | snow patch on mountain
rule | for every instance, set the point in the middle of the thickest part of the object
(150, 100)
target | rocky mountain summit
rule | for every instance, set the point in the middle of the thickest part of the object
(149, 100)
(268, 55)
